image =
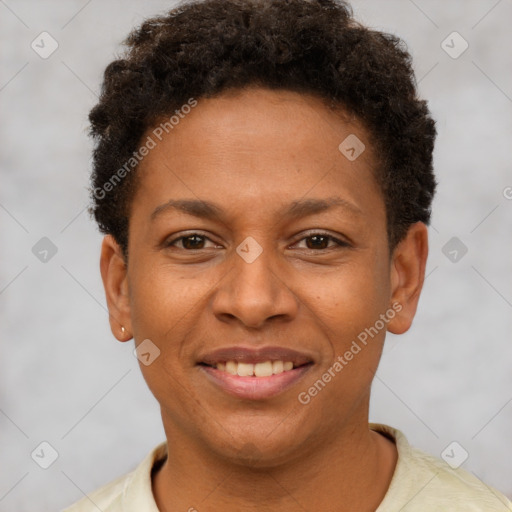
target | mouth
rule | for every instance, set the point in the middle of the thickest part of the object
(255, 374)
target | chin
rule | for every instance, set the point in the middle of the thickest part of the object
(265, 444)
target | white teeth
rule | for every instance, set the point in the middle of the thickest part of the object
(277, 367)
(231, 367)
(245, 370)
(265, 369)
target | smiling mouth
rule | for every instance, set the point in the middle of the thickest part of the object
(260, 369)
(252, 374)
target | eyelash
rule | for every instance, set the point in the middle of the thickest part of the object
(337, 241)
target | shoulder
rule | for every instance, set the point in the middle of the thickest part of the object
(132, 491)
(102, 498)
(423, 482)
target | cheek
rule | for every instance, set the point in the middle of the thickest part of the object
(166, 308)
(354, 298)
(350, 313)
(350, 318)
(163, 302)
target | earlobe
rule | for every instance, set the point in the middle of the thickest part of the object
(407, 275)
(115, 282)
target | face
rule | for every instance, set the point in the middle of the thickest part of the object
(258, 256)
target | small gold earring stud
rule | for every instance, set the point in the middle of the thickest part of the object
(123, 330)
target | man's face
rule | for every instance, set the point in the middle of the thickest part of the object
(262, 281)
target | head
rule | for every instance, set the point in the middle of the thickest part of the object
(263, 177)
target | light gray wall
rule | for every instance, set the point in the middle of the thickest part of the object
(64, 378)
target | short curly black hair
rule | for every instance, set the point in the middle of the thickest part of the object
(202, 48)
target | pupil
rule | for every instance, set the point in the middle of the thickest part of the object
(193, 245)
(317, 238)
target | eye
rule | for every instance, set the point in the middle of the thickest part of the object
(320, 241)
(190, 242)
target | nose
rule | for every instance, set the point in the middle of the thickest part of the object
(254, 292)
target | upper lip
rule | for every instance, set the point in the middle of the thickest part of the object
(255, 355)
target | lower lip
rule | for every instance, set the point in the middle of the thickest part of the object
(255, 388)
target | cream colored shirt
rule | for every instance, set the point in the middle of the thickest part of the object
(420, 483)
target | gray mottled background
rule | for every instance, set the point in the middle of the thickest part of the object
(65, 380)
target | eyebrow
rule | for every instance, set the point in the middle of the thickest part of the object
(305, 207)
(196, 207)
(297, 209)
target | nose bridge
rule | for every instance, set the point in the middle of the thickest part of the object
(254, 267)
(253, 290)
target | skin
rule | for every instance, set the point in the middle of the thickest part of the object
(252, 153)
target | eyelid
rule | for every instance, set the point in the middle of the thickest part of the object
(338, 240)
(170, 242)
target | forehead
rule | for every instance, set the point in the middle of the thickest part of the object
(259, 146)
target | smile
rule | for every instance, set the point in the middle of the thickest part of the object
(255, 374)
(265, 369)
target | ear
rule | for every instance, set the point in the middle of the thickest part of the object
(407, 275)
(115, 281)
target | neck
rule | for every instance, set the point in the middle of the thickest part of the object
(350, 472)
